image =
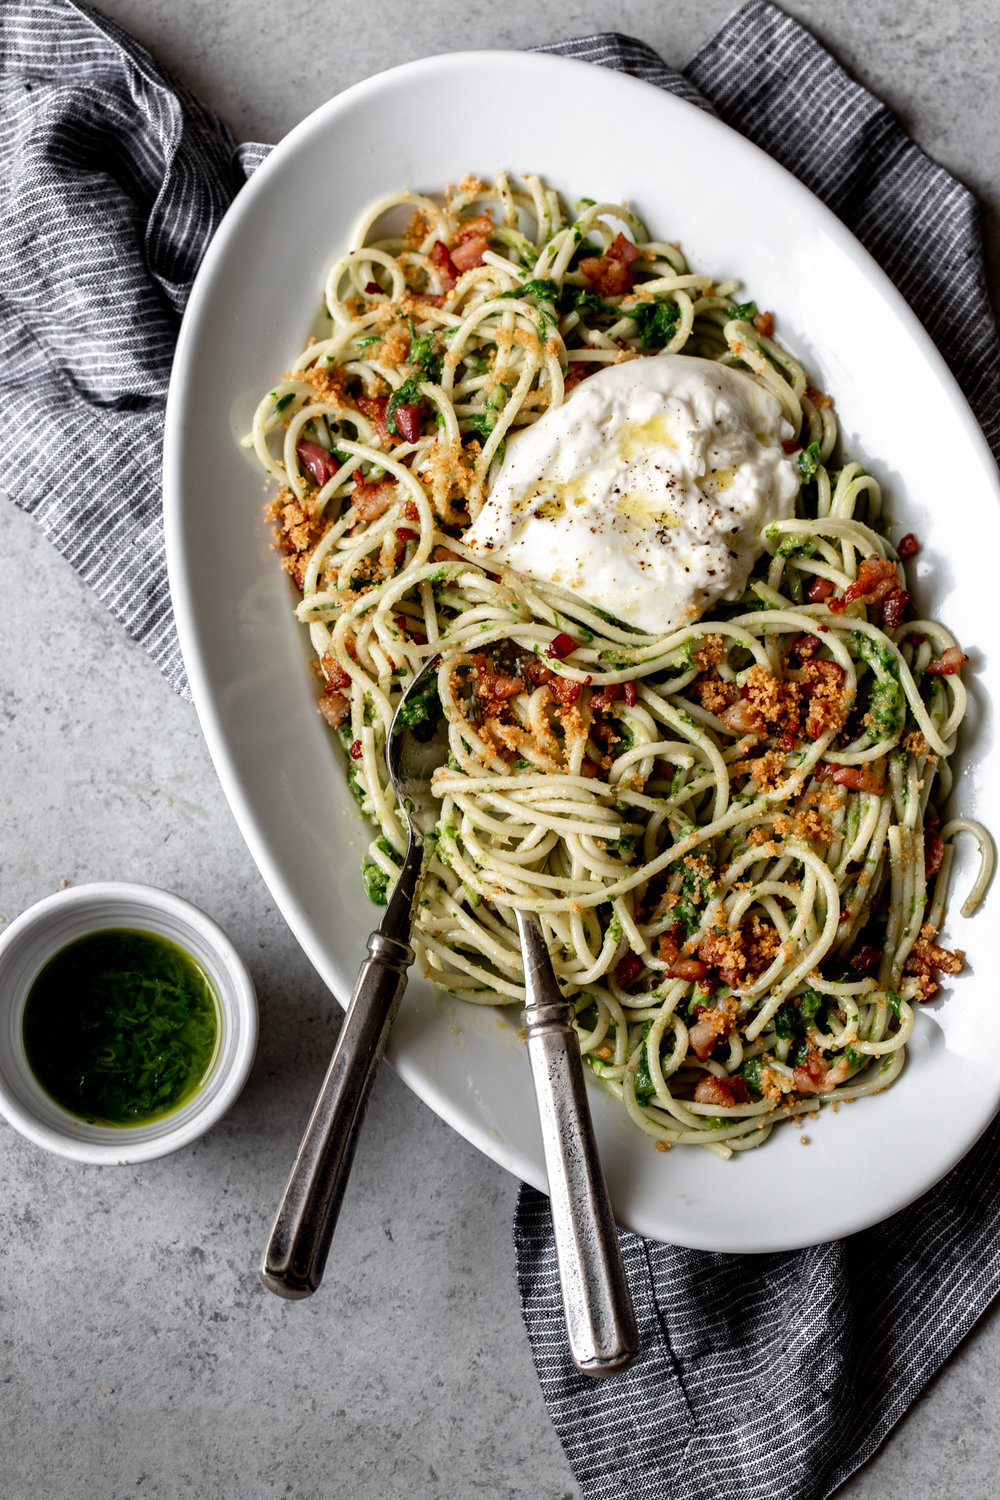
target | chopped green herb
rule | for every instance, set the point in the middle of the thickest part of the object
(528, 252)
(497, 398)
(407, 394)
(751, 1073)
(543, 290)
(374, 878)
(422, 713)
(424, 355)
(447, 835)
(580, 300)
(887, 702)
(484, 421)
(644, 1087)
(695, 890)
(784, 1022)
(376, 883)
(656, 323)
(809, 461)
(357, 790)
(745, 311)
(794, 546)
(809, 1003)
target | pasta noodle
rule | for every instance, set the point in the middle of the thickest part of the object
(731, 833)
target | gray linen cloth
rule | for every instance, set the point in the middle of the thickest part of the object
(760, 1378)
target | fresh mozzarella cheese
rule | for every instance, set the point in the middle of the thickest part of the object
(646, 493)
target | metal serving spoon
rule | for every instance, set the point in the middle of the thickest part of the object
(599, 1317)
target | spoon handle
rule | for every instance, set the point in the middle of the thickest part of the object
(600, 1322)
(307, 1215)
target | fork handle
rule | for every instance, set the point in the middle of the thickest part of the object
(600, 1321)
(300, 1238)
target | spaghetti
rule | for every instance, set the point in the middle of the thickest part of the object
(732, 833)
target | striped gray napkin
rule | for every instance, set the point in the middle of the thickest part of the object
(112, 181)
(760, 1378)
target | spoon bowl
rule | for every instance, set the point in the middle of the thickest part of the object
(411, 760)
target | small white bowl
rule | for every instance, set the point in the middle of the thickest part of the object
(37, 935)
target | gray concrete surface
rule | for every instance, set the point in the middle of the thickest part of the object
(139, 1357)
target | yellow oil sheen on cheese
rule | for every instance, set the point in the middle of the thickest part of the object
(646, 493)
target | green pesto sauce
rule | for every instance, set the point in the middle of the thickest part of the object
(120, 1027)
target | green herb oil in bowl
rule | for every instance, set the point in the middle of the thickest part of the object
(120, 1027)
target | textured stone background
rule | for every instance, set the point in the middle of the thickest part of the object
(139, 1355)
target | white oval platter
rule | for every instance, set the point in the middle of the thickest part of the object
(736, 213)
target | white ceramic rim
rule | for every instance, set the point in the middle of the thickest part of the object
(47, 927)
(372, 102)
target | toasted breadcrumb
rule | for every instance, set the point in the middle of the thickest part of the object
(417, 230)
(767, 771)
(828, 701)
(714, 695)
(710, 653)
(766, 694)
(812, 828)
(395, 346)
(741, 954)
(760, 833)
(773, 1085)
(328, 381)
